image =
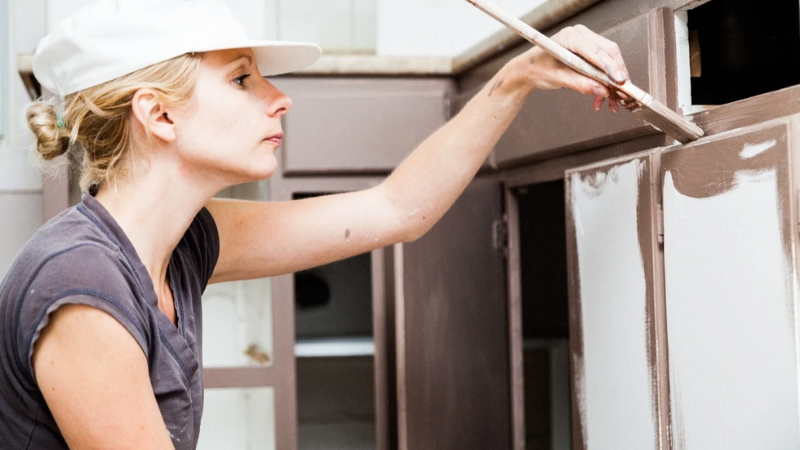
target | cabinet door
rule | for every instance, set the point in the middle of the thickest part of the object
(730, 278)
(359, 125)
(616, 306)
(452, 335)
(563, 121)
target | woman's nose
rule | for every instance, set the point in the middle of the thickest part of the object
(278, 103)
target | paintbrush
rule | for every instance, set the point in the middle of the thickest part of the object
(646, 107)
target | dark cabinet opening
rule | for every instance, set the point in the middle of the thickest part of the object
(742, 48)
(335, 355)
(545, 316)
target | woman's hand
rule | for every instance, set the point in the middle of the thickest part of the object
(542, 71)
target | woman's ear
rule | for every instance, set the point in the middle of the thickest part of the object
(152, 115)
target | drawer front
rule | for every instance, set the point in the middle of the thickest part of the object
(359, 125)
(561, 121)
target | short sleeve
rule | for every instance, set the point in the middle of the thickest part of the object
(104, 302)
(200, 244)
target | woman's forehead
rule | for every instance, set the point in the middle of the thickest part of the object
(229, 56)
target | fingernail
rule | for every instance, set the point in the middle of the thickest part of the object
(621, 77)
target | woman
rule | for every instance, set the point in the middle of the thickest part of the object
(165, 100)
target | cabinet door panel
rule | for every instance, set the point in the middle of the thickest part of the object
(452, 333)
(616, 306)
(359, 125)
(729, 272)
(564, 120)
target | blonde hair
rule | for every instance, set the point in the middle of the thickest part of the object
(97, 119)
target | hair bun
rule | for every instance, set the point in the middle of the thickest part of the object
(51, 140)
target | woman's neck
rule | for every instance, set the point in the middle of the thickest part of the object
(154, 210)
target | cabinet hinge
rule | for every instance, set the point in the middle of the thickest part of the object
(660, 224)
(797, 213)
(500, 235)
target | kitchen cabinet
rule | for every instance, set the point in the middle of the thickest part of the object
(359, 125)
(616, 305)
(649, 54)
(730, 273)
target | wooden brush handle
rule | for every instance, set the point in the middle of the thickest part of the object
(560, 53)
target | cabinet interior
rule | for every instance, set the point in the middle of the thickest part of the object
(736, 49)
(335, 354)
(545, 316)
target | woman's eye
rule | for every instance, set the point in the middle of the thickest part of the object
(240, 80)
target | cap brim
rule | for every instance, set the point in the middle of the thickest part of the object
(275, 57)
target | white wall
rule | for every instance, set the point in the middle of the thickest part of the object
(20, 182)
(437, 27)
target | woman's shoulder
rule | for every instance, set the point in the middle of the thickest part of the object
(66, 246)
(68, 256)
(68, 261)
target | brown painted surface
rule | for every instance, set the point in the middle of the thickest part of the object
(648, 218)
(55, 193)
(283, 307)
(240, 377)
(380, 338)
(359, 125)
(515, 333)
(455, 324)
(553, 169)
(750, 111)
(563, 121)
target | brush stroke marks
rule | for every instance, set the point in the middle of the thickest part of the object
(616, 368)
(730, 291)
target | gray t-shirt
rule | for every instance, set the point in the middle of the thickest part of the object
(83, 257)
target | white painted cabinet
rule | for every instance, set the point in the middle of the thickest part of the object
(616, 311)
(683, 300)
(730, 271)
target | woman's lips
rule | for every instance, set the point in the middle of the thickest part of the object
(276, 139)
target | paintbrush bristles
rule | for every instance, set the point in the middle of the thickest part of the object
(670, 122)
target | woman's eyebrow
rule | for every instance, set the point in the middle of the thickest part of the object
(241, 56)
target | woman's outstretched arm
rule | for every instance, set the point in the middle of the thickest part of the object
(266, 239)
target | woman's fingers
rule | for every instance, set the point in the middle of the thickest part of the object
(596, 49)
(611, 49)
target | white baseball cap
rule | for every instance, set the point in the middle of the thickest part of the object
(111, 38)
